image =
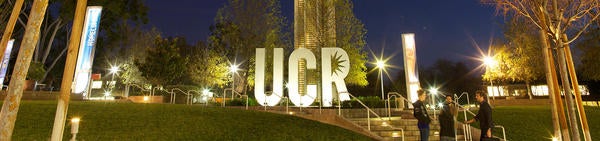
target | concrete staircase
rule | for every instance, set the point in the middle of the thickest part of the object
(388, 128)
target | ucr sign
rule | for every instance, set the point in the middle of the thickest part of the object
(328, 76)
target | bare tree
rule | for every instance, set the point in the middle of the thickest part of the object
(562, 21)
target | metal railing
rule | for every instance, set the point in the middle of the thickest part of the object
(467, 127)
(280, 96)
(233, 94)
(388, 106)
(369, 112)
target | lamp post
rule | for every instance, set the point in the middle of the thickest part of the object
(490, 62)
(381, 66)
(113, 71)
(433, 92)
(233, 70)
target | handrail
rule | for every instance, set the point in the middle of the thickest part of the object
(197, 92)
(469, 127)
(393, 94)
(280, 96)
(369, 111)
(174, 95)
(463, 93)
(503, 131)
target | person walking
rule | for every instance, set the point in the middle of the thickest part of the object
(420, 112)
(484, 116)
(446, 118)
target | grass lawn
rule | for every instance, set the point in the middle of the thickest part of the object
(528, 123)
(129, 121)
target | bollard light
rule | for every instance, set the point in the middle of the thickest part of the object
(74, 128)
(74, 125)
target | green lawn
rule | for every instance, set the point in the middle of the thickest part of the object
(128, 121)
(528, 123)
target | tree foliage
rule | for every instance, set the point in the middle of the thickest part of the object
(449, 77)
(351, 36)
(132, 46)
(207, 67)
(525, 62)
(163, 65)
(590, 52)
(243, 25)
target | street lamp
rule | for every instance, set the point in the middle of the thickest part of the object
(113, 71)
(490, 62)
(233, 69)
(381, 66)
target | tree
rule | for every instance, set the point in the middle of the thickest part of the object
(449, 77)
(560, 22)
(337, 26)
(243, 25)
(131, 47)
(53, 39)
(163, 64)
(207, 67)
(351, 37)
(524, 61)
(590, 50)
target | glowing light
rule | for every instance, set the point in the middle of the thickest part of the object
(489, 61)
(146, 98)
(233, 68)
(440, 105)
(291, 113)
(384, 124)
(114, 69)
(75, 120)
(107, 93)
(395, 134)
(381, 64)
(433, 91)
(554, 139)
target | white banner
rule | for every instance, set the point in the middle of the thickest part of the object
(410, 66)
(85, 58)
(5, 60)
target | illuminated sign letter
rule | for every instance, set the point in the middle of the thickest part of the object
(259, 81)
(337, 76)
(311, 63)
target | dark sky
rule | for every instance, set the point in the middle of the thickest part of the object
(443, 28)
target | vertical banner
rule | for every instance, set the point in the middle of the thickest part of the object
(85, 57)
(410, 66)
(5, 60)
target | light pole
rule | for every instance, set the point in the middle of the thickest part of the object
(233, 70)
(381, 66)
(433, 92)
(489, 63)
(113, 71)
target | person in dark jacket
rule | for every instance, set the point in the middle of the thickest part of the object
(484, 116)
(420, 112)
(446, 118)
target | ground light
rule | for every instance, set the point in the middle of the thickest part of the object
(74, 128)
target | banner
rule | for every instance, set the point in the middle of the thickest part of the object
(85, 57)
(410, 66)
(5, 60)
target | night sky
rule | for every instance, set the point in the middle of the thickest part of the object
(443, 28)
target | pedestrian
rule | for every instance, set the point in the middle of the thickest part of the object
(446, 118)
(484, 116)
(420, 112)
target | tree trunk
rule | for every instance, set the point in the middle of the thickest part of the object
(529, 93)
